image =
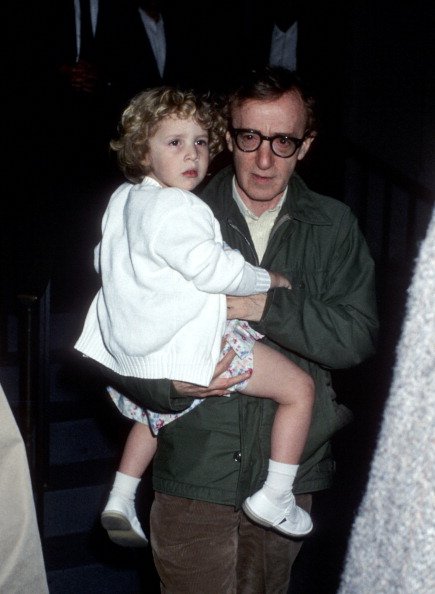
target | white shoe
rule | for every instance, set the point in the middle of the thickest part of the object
(120, 520)
(291, 521)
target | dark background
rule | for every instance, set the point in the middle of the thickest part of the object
(371, 63)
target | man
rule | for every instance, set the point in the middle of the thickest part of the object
(284, 35)
(139, 58)
(211, 459)
(79, 46)
(148, 50)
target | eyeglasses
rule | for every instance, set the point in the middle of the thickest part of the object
(282, 145)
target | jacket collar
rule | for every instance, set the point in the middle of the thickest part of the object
(301, 206)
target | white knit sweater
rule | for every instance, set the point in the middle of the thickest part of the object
(161, 310)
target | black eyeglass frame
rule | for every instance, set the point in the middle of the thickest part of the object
(298, 142)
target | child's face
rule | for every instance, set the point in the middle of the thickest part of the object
(178, 154)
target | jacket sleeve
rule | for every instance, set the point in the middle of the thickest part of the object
(156, 394)
(337, 327)
(196, 251)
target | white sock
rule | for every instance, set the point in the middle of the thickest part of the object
(125, 485)
(279, 482)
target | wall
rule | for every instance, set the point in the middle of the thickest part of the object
(389, 97)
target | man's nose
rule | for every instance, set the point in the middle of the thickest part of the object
(264, 155)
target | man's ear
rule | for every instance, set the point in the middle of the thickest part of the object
(229, 140)
(306, 145)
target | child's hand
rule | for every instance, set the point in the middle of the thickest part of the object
(278, 280)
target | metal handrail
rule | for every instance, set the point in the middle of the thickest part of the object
(34, 388)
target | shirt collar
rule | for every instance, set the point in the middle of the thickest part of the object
(247, 213)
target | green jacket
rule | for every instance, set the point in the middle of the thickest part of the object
(219, 451)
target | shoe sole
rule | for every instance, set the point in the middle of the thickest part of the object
(120, 531)
(258, 520)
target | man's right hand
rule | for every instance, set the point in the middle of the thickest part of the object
(218, 385)
(277, 279)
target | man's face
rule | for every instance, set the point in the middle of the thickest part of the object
(262, 176)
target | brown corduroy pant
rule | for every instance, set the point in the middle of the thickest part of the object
(207, 548)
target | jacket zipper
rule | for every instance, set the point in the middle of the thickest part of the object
(275, 228)
(278, 224)
(246, 240)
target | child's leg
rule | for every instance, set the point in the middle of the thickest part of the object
(119, 516)
(139, 450)
(281, 380)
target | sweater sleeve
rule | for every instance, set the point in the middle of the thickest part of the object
(196, 250)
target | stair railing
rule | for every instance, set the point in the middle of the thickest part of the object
(34, 333)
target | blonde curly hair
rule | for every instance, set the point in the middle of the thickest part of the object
(144, 112)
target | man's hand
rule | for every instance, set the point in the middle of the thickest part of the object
(249, 308)
(277, 279)
(218, 386)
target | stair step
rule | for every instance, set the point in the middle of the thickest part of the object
(85, 431)
(77, 509)
(97, 579)
(90, 548)
(70, 511)
(81, 474)
(90, 563)
(79, 441)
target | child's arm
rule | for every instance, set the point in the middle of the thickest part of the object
(186, 236)
(277, 280)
